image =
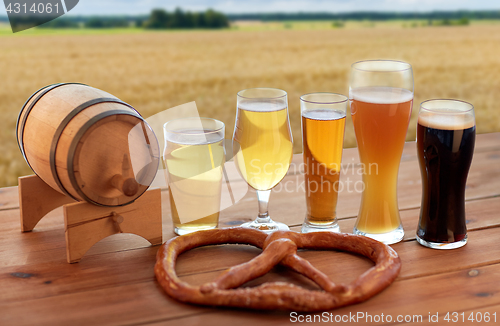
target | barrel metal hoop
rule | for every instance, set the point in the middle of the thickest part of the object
(22, 123)
(63, 125)
(74, 145)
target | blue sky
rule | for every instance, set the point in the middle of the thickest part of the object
(132, 7)
(241, 6)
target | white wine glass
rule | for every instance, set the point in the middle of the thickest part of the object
(262, 146)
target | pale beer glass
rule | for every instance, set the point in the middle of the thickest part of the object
(194, 159)
(262, 146)
(323, 126)
(381, 99)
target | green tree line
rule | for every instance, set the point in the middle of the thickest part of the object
(158, 19)
(161, 19)
(368, 15)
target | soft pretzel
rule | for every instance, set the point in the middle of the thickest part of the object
(278, 248)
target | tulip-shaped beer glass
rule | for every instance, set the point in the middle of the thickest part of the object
(381, 98)
(262, 146)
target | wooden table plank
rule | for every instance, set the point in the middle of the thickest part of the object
(9, 198)
(440, 293)
(143, 302)
(129, 304)
(19, 248)
(115, 281)
(47, 249)
(40, 280)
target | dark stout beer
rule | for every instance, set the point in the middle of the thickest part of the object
(445, 145)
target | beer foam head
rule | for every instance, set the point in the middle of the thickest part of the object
(193, 131)
(381, 66)
(381, 95)
(323, 114)
(262, 106)
(195, 137)
(262, 99)
(446, 115)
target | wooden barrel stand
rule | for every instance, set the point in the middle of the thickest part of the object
(86, 224)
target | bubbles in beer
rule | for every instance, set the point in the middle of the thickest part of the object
(257, 106)
(323, 114)
(262, 143)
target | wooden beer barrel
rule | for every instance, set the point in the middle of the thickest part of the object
(88, 144)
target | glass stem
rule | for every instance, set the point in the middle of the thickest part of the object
(263, 198)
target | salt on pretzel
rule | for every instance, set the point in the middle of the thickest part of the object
(278, 248)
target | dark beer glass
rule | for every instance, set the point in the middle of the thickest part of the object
(446, 133)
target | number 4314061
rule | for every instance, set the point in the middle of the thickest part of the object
(477, 317)
(39, 8)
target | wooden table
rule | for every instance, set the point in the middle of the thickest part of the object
(114, 283)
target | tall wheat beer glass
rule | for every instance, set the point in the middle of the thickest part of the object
(446, 133)
(262, 146)
(323, 125)
(381, 98)
(194, 157)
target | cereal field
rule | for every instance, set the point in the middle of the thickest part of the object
(154, 71)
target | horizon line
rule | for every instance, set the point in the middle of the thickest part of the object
(256, 13)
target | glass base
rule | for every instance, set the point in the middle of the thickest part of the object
(442, 245)
(267, 227)
(387, 238)
(309, 227)
(182, 231)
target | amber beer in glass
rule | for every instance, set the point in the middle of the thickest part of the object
(194, 158)
(262, 146)
(323, 125)
(381, 98)
(446, 133)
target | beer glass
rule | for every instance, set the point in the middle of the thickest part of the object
(194, 158)
(381, 98)
(446, 133)
(262, 146)
(323, 125)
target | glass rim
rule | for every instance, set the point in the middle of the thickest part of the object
(345, 98)
(262, 98)
(406, 65)
(196, 133)
(450, 100)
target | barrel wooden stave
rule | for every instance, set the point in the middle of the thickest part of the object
(110, 143)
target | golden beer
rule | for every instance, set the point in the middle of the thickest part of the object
(262, 147)
(380, 117)
(322, 139)
(262, 144)
(194, 172)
